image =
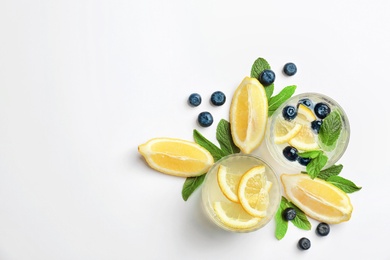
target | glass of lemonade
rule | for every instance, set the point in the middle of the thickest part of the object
(305, 123)
(228, 214)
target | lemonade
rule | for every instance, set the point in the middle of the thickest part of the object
(234, 212)
(305, 123)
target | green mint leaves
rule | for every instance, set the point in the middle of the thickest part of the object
(225, 140)
(318, 161)
(273, 101)
(300, 221)
(330, 130)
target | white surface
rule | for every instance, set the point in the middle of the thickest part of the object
(83, 83)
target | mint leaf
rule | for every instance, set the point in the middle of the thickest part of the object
(190, 185)
(269, 90)
(330, 130)
(343, 184)
(316, 164)
(281, 223)
(277, 100)
(258, 66)
(300, 220)
(331, 171)
(310, 154)
(216, 152)
(224, 137)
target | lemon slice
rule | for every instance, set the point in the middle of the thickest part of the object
(253, 191)
(305, 115)
(228, 183)
(285, 130)
(233, 215)
(248, 115)
(176, 157)
(305, 139)
(317, 198)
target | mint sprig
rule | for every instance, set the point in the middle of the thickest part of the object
(257, 68)
(277, 100)
(330, 130)
(190, 185)
(224, 138)
(300, 221)
(317, 162)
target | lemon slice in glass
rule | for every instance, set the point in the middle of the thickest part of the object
(233, 215)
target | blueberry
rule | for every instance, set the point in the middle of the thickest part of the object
(316, 125)
(303, 161)
(304, 243)
(194, 99)
(321, 110)
(218, 98)
(267, 77)
(205, 119)
(289, 113)
(291, 153)
(290, 69)
(289, 214)
(323, 229)
(307, 102)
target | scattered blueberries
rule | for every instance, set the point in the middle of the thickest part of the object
(316, 125)
(303, 161)
(304, 243)
(291, 153)
(194, 99)
(290, 69)
(289, 113)
(218, 98)
(321, 110)
(323, 229)
(289, 214)
(307, 102)
(267, 77)
(205, 119)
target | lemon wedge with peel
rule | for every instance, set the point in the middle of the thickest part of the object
(228, 183)
(176, 157)
(234, 216)
(248, 115)
(253, 191)
(285, 130)
(319, 199)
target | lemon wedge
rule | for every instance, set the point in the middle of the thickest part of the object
(248, 115)
(176, 157)
(317, 198)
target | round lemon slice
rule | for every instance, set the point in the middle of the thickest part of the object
(317, 198)
(253, 191)
(305, 139)
(285, 130)
(228, 183)
(233, 215)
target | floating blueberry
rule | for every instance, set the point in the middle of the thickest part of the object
(323, 229)
(321, 110)
(304, 243)
(289, 214)
(316, 126)
(267, 77)
(289, 113)
(291, 153)
(218, 98)
(303, 161)
(194, 99)
(307, 102)
(205, 119)
(290, 69)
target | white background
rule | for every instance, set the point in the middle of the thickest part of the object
(83, 83)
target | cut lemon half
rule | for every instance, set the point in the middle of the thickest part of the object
(248, 115)
(305, 139)
(176, 157)
(228, 183)
(285, 130)
(234, 216)
(317, 198)
(253, 191)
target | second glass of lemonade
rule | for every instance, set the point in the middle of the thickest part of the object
(227, 211)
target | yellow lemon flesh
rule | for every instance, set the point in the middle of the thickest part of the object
(285, 130)
(228, 183)
(253, 191)
(319, 199)
(304, 140)
(248, 115)
(176, 157)
(234, 216)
